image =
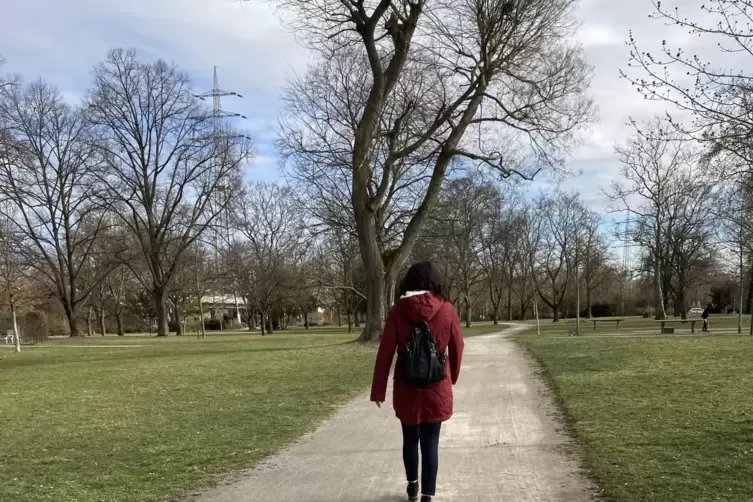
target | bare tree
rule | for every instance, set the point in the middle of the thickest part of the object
(594, 257)
(559, 220)
(500, 236)
(717, 95)
(733, 209)
(166, 159)
(459, 219)
(269, 219)
(689, 230)
(338, 271)
(204, 276)
(13, 272)
(50, 185)
(401, 89)
(652, 158)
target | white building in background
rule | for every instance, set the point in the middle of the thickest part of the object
(218, 305)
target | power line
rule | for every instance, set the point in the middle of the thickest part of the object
(219, 116)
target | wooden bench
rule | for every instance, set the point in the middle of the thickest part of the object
(585, 320)
(616, 321)
(664, 322)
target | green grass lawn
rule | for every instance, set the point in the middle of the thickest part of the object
(148, 419)
(659, 418)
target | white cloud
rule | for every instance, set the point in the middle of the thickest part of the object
(63, 40)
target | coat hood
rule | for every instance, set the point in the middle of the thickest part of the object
(419, 307)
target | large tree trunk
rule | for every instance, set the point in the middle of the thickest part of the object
(90, 321)
(495, 313)
(270, 322)
(102, 326)
(577, 293)
(468, 321)
(16, 337)
(306, 319)
(589, 299)
(160, 304)
(263, 323)
(661, 313)
(119, 321)
(509, 303)
(350, 322)
(373, 266)
(70, 316)
(749, 299)
(740, 299)
(178, 321)
(202, 326)
(681, 303)
(375, 304)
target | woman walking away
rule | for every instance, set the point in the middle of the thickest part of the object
(705, 317)
(424, 329)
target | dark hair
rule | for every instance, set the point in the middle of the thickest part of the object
(422, 276)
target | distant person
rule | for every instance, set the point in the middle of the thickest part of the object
(705, 317)
(427, 368)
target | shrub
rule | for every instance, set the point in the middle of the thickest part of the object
(35, 328)
(212, 324)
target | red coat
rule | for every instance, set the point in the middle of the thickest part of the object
(434, 403)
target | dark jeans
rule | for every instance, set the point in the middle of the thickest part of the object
(427, 435)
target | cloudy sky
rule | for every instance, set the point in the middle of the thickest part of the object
(62, 40)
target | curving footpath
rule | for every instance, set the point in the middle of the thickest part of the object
(503, 444)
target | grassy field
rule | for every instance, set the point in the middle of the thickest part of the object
(659, 418)
(140, 418)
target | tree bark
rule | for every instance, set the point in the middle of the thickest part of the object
(160, 304)
(202, 327)
(740, 292)
(270, 323)
(102, 325)
(375, 305)
(658, 294)
(749, 299)
(467, 313)
(119, 321)
(89, 321)
(263, 323)
(178, 321)
(495, 314)
(577, 290)
(509, 303)
(16, 338)
(681, 303)
(70, 316)
(305, 319)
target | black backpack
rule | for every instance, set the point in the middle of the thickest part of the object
(421, 362)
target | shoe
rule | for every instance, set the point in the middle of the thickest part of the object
(412, 491)
(426, 498)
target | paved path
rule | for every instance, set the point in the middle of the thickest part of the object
(501, 445)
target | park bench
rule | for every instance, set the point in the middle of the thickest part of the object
(664, 322)
(616, 321)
